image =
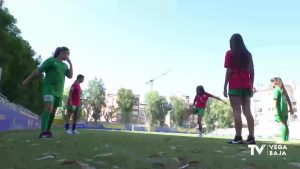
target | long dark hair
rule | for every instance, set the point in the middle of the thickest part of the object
(241, 57)
(200, 89)
(58, 50)
(278, 81)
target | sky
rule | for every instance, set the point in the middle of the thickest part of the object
(128, 42)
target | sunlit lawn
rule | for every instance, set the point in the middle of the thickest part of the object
(133, 150)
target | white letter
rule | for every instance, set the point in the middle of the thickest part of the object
(252, 148)
(259, 150)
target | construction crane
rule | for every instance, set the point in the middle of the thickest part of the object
(150, 82)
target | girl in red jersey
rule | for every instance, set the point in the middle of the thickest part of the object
(240, 76)
(200, 104)
(74, 103)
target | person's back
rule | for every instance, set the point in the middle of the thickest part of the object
(239, 78)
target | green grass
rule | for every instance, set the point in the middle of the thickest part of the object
(132, 150)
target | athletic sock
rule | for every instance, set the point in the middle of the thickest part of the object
(51, 118)
(67, 126)
(287, 134)
(45, 116)
(284, 133)
(74, 126)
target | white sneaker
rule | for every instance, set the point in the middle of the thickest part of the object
(75, 132)
(200, 134)
(69, 131)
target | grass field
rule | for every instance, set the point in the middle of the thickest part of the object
(127, 150)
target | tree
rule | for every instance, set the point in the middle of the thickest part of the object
(86, 106)
(17, 61)
(96, 97)
(156, 108)
(62, 111)
(179, 111)
(125, 101)
(217, 115)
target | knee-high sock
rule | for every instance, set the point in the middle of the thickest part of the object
(67, 126)
(284, 133)
(287, 133)
(74, 120)
(45, 116)
(74, 126)
(51, 118)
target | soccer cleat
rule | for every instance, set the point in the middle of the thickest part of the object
(69, 131)
(45, 134)
(251, 140)
(49, 134)
(42, 135)
(236, 140)
(75, 132)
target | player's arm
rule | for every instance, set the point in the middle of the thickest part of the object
(251, 71)
(276, 96)
(289, 101)
(215, 97)
(227, 77)
(38, 72)
(35, 74)
(275, 103)
(70, 70)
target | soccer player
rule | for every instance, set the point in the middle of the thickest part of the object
(74, 104)
(240, 76)
(53, 86)
(282, 102)
(200, 104)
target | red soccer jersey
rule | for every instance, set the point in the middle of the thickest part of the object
(201, 100)
(75, 93)
(239, 79)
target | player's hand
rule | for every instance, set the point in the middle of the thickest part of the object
(291, 111)
(254, 90)
(225, 92)
(25, 83)
(68, 60)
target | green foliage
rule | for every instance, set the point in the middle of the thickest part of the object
(125, 101)
(156, 108)
(16, 60)
(61, 112)
(86, 108)
(217, 115)
(179, 111)
(96, 97)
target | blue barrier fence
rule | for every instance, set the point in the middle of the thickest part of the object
(13, 116)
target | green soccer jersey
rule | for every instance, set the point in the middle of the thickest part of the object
(54, 80)
(282, 107)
